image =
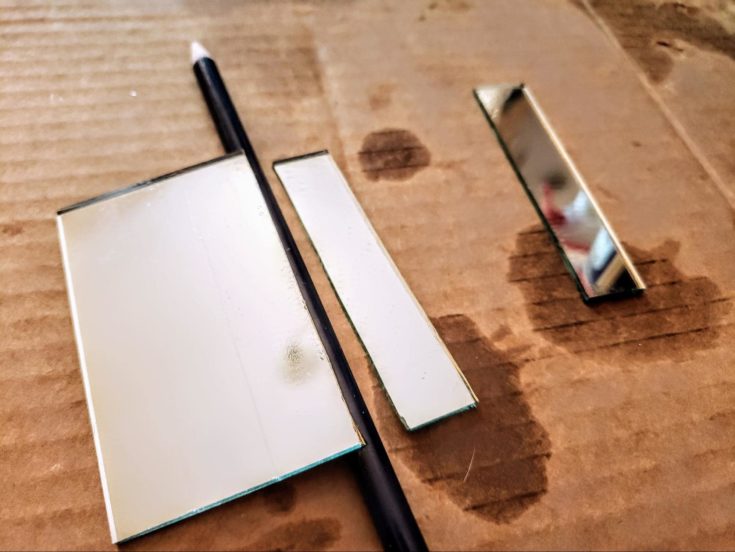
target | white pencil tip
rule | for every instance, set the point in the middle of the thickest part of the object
(198, 52)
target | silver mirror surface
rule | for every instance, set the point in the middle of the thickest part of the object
(204, 374)
(422, 380)
(593, 254)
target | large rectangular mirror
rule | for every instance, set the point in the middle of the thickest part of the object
(590, 250)
(205, 375)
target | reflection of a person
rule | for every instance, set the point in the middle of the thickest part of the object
(576, 224)
(565, 205)
(586, 241)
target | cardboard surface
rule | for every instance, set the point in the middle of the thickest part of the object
(686, 53)
(610, 427)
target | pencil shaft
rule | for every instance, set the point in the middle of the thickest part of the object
(381, 489)
(225, 117)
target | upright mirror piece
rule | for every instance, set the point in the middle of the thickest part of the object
(204, 373)
(591, 251)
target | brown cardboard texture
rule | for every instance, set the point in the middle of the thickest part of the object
(605, 427)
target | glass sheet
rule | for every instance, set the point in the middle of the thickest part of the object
(204, 374)
(422, 380)
(590, 249)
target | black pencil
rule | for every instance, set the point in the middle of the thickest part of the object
(381, 489)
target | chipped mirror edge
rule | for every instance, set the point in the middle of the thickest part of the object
(487, 93)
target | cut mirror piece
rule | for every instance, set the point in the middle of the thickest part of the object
(422, 380)
(590, 250)
(204, 373)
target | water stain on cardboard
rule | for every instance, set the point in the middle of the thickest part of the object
(393, 154)
(210, 529)
(12, 229)
(309, 534)
(676, 316)
(653, 32)
(457, 6)
(381, 96)
(279, 498)
(490, 461)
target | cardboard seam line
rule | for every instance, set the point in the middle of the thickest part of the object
(673, 121)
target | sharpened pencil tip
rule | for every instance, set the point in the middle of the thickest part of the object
(198, 52)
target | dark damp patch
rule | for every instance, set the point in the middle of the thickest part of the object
(393, 154)
(675, 316)
(491, 461)
(441, 7)
(456, 6)
(381, 96)
(652, 33)
(12, 229)
(309, 534)
(279, 498)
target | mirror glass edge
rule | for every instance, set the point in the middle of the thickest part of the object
(640, 284)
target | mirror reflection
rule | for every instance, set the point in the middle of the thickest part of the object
(590, 250)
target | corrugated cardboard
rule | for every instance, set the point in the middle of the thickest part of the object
(685, 51)
(610, 427)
